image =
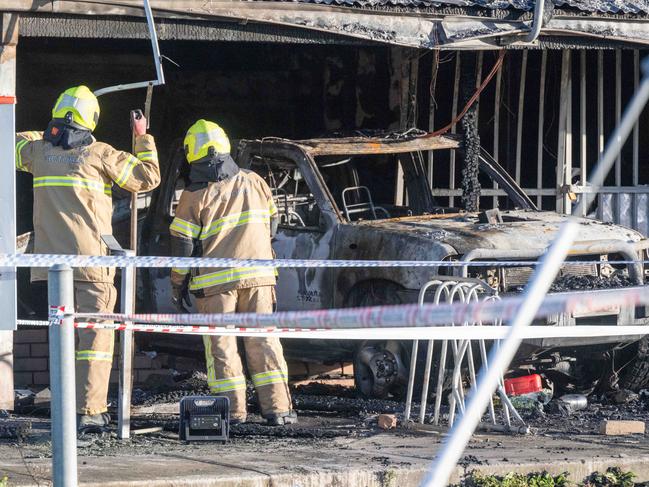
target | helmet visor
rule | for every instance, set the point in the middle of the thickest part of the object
(204, 138)
(85, 107)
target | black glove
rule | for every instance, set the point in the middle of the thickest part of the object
(180, 298)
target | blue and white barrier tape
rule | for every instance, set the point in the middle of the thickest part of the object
(48, 260)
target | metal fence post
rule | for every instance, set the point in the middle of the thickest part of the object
(62, 377)
(8, 42)
(126, 347)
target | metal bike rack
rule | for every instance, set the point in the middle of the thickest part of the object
(450, 289)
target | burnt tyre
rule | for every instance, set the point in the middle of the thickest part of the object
(379, 366)
(601, 369)
(379, 370)
(631, 369)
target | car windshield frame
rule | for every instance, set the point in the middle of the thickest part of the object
(304, 152)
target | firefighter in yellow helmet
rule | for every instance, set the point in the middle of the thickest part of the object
(229, 212)
(73, 179)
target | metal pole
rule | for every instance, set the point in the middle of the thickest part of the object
(582, 123)
(431, 114)
(126, 349)
(636, 128)
(600, 103)
(456, 94)
(540, 133)
(537, 22)
(9, 40)
(567, 177)
(160, 76)
(424, 388)
(618, 111)
(519, 117)
(411, 380)
(478, 80)
(157, 58)
(440, 471)
(62, 376)
(497, 95)
(562, 199)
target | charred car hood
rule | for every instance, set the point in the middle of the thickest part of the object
(519, 230)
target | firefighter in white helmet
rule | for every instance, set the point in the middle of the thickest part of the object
(229, 212)
(73, 208)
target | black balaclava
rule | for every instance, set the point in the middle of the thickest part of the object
(212, 169)
(68, 135)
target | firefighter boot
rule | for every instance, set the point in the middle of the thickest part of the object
(92, 423)
(279, 419)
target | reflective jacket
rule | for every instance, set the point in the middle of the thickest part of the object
(73, 204)
(229, 219)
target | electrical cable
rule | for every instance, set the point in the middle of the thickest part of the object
(472, 100)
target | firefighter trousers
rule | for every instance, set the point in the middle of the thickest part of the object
(94, 356)
(264, 356)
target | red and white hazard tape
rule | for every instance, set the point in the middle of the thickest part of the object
(408, 315)
(403, 321)
(473, 332)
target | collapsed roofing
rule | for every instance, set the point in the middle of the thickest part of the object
(451, 24)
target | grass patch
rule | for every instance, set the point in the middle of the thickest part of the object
(512, 479)
(613, 477)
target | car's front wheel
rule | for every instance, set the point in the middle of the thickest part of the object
(379, 369)
(380, 366)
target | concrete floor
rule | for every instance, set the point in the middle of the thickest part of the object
(361, 455)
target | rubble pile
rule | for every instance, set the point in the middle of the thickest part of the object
(14, 430)
(194, 384)
(579, 283)
(615, 405)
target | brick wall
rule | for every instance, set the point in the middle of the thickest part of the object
(31, 363)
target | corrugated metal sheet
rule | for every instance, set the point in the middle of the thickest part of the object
(600, 6)
(628, 209)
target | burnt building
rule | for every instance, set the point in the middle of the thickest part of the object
(559, 79)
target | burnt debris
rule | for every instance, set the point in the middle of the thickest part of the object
(471, 137)
(577, 283)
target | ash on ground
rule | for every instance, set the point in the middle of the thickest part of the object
(328, 415)
(615, 405)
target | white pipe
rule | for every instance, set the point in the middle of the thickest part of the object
(155, 47)
(157, 59)
(537, 21)
(441, 469)
(125, 87)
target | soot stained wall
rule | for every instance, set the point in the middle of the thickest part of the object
(253, 90)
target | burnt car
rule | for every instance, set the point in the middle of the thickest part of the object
(369, 198)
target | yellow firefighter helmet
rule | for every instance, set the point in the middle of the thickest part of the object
(81, 103)
(203, 135)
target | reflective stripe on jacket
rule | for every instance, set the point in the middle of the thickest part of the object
(73, 206)
(230, 219)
